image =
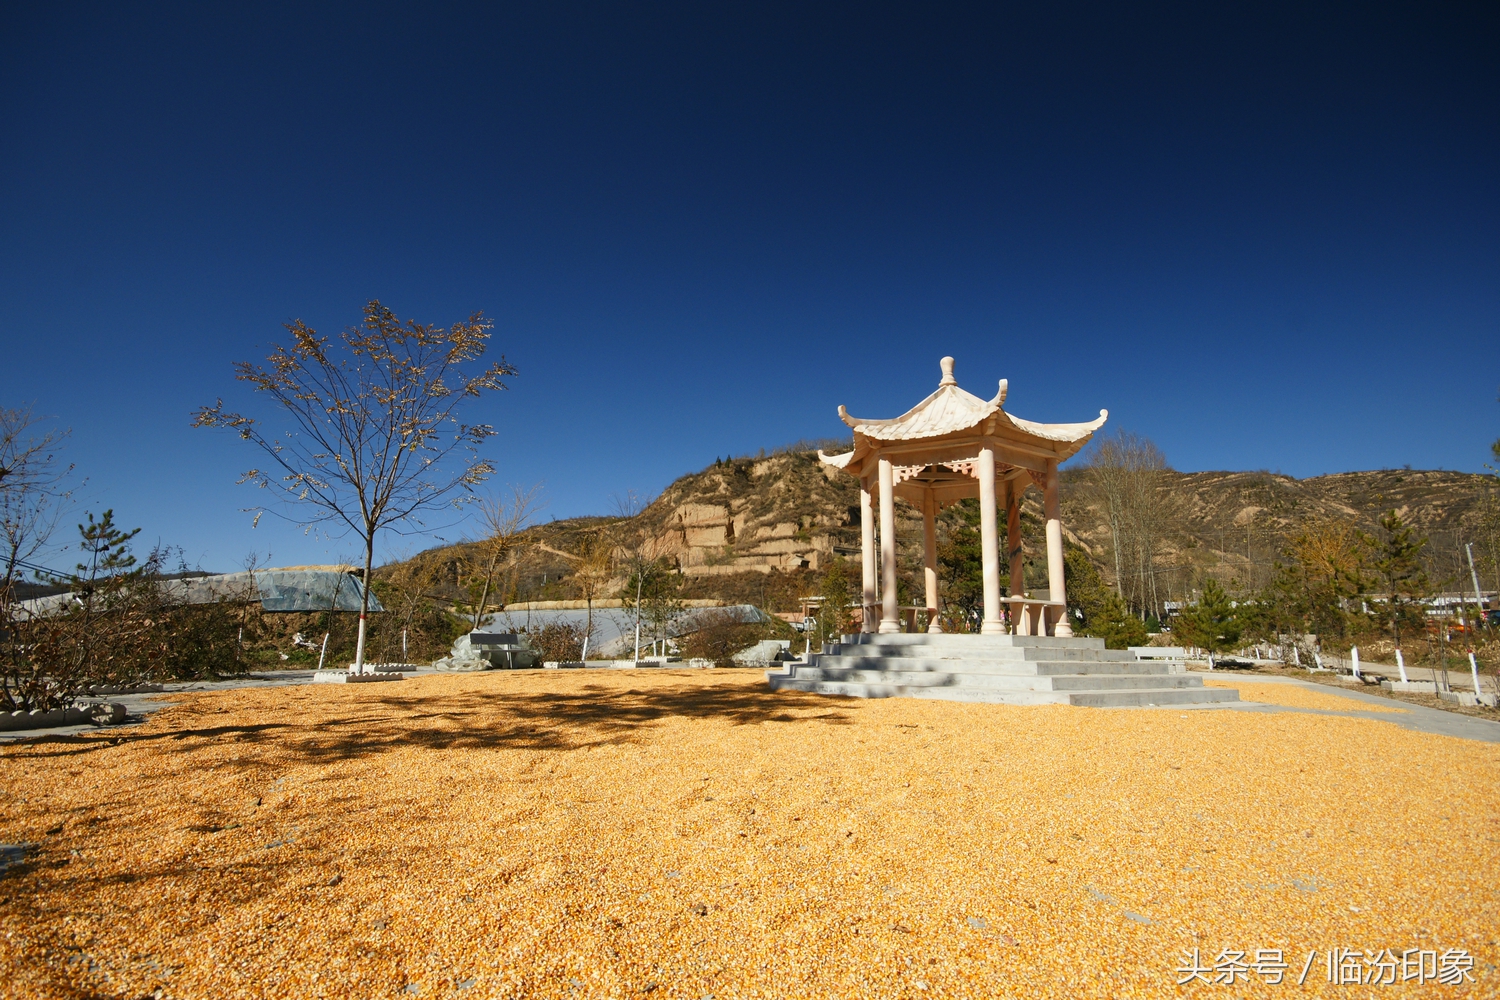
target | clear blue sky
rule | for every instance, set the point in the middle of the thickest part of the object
(1265, 236)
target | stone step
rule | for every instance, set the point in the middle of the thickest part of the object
(1121, 682)
(1019, 668)
(969, 640)
(1022, 682)
(1160, 698)
(933, 678)
(982, 696)
(1069, 653)
(1157, 697)
(1000, 669)
(967, 652)
(1144, 697)
(1156, 668)
(846, 689)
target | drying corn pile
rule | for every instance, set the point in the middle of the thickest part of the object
(687, 834)
(1296, 696)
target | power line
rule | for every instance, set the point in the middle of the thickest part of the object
(24, 564)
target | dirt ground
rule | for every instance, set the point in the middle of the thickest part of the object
(690, 834)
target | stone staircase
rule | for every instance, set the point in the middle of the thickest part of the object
(1002, 669)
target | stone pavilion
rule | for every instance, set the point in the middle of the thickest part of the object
(951, 446)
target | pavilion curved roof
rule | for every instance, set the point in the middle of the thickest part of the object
(950, 411)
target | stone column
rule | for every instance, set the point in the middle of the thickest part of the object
(989, 543)
(867, 556)
(929, 558)
(1055, 551)
(889, 622)
(1017, 553)
(1016, 556)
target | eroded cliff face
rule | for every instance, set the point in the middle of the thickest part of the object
(727, 529)
(785, 512)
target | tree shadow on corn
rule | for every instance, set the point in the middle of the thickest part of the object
(594, 715)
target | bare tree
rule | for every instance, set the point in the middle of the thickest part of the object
(643, 554)
(33, 495)
(502, 519)
(1150, 505)
(373, 436)
(1107, 474)
(1126, 474)
(591, 575)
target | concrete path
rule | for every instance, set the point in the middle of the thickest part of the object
(1415, 717)
(1460, 678)
(138, 706)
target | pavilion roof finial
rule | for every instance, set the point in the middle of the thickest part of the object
(948, 379)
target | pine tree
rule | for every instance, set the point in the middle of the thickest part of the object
(1116, 625)
(833, 614)
(1213, 624)
(109, 565)
(97, 637)
(1318, 575)
(1098, 611)
(1397, 563)
(961, 568)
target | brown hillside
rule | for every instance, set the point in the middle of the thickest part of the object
(762, 530)
(1234, 524)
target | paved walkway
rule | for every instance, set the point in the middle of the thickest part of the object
(138, 706)
(1460, 677)
(1415, 717)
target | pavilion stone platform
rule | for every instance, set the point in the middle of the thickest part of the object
(999, 669)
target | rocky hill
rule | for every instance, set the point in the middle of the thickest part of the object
(1233, 525)
(762, 529)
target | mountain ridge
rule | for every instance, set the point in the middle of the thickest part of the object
(763, 529)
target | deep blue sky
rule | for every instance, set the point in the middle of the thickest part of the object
(1264, 236)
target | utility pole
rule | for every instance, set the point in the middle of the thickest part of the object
(1474, 576)
(1443, 654)
(1479, 610)
(638, 578)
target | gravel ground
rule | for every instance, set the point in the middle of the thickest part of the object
(1295, 697)
(689, 834)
